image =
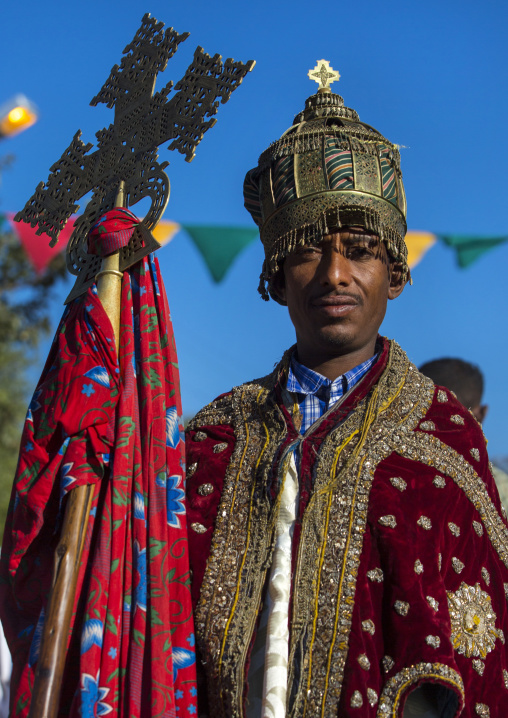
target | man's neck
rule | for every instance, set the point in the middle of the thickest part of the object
(334, 366)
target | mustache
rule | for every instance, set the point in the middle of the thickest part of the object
(330, 299)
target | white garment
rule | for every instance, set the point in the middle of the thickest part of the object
(5, 675)
(268, 671)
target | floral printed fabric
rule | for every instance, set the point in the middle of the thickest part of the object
(116, 425)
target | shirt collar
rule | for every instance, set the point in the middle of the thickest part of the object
(303, 380)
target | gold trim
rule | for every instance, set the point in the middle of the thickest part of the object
(396, 686)
(427, 449)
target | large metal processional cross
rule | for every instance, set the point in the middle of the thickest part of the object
(127, 150)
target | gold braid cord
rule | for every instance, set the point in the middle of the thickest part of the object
(128, 149)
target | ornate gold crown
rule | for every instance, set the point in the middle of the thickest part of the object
(327, 171)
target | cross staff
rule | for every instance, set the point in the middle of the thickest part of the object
(126, 157)
(128, 149)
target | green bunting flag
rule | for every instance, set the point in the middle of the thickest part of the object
(219, 246)
(468, 249)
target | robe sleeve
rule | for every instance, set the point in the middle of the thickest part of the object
(431, 604)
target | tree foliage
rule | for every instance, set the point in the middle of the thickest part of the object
(25, 299)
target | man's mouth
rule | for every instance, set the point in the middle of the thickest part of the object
(335, 305)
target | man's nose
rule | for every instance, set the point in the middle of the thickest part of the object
(335, 268)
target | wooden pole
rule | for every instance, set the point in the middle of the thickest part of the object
(45, 700)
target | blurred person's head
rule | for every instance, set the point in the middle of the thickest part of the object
(461, 377)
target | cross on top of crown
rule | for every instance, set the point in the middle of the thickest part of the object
(323, 74)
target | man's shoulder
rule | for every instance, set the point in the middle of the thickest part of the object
(222, 409)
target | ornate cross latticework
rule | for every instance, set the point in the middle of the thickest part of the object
(323, 74)
(128, 149)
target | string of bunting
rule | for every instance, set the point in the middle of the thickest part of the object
(220, 245)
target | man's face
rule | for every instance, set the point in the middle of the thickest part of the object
(336, 294)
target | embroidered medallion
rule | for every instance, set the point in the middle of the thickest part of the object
(401, 607)
(200, 436)
(399, 483)
(219, 447)
(479, 666)
(440, 482)
(368, 626)
(191, 469)
(388, 520)
(432, 603)
(418, 566)
(439, 561)
(205, 489)
(427, 426)
(472, 621)
(376, 575)
(457, 565)
(388, 663)
(425, 523)
(198, 528)
(356, 700)
(457, 419)
(372, 696)
(505, 678)
(363, 662)
(475, 453)
(482, 710)
(486, 576)
(433, 641)
(478, 528)
(442, 396)
(454, 528)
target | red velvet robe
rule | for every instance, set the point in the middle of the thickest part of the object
(400, 550)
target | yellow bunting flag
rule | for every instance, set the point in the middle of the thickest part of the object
(418, 243)
(165, 231)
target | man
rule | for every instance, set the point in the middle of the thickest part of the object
(466, 382)
(346, 540)
(461, 377)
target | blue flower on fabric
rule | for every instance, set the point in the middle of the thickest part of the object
(139, 506)
(35, 646)
(34, 405)
(92, 697)
(153, 271)
(140, 590)
(174, 498)
(99, 375)
(173, 434)
(112, 653)
(65, 478)
(192, 709)
(91, 635)
(89, 307)
(160, 479)
(191, 640)
(29, 446)
(61, 450)
(182, 658)
(178, 694)
(193, 691)
(88, 389)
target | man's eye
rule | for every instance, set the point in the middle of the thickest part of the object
(359, 252)
(308, 251)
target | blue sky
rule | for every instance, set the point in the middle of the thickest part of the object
(430, 76)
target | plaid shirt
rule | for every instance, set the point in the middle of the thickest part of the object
(315, 394)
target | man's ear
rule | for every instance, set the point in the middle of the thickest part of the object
(279, 285)
(397, 284)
